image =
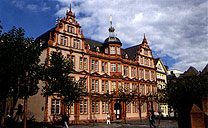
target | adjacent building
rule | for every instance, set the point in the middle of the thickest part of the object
(161, 76)
(105, 66)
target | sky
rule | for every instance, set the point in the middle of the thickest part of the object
(176, 30)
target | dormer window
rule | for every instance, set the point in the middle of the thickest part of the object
(112, 50)
(97, 49)
(106, 50)
(126, 56)
(118, 51)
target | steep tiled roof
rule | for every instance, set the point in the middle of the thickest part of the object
(94, 44)
(191, 72)
(132, 52)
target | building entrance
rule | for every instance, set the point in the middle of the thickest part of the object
(117, 109)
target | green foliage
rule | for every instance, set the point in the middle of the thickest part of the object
(183, 92)
(187, 90)
(18, 55)
(56, 72)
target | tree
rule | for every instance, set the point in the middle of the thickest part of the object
(18, 55)
(185, 91)
(126, 96)
(55, 73)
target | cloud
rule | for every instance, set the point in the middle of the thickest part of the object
(35, 6)
(177, 28)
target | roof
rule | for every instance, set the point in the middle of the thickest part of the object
(205, 70)
(191, 72)
(132, 51)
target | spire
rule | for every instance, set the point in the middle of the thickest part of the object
(70, 8)
(111, 29)
(144, 40)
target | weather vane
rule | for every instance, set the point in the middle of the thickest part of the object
(111, 20)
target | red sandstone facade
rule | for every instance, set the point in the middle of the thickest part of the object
(106, 67)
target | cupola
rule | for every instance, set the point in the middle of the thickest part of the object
(112, 44)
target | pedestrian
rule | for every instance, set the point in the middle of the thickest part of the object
(108, 118)
(152, 121)
(18, 117)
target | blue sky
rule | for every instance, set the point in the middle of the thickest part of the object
(176, 30)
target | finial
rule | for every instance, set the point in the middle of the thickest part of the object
(144, 40)
(111, 20)
(70, 7)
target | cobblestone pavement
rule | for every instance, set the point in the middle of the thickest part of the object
(144, 123)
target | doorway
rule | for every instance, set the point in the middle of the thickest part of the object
(117, 109)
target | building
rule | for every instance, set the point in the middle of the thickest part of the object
(106, 67)
(161, 76)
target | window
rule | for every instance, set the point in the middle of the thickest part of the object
(77, 44)
(85, 63)
(141, 73)
(65, 41)
(141, 60)
(93, 85)
(84, 81)
(132, 72)
(152, 75)
(81, 63)
(93, 106)
(147, 61)
(74, 43)
(126, 70)
(113, 86)
(106, 86)
(151, 63)
(127, 87)
(113, 67)
(118, 51)
(97, 107)
(73, 60)
(119, 67)
(147, 74)
(143, 107)
(93, 64)
(112, 50)
(148, 89)
(96, 85)
(135, 106)
(128, 105)
(134, 86)
(106, 68)
(145, 51)
(71, 110)
(96, 65)
(103, 66)
(119, 85)
(55, 108)
(62, 40)
(103, 85)
(142, 91)
(105, 107)
(85, 106)
(71, 29)
(81, 106)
